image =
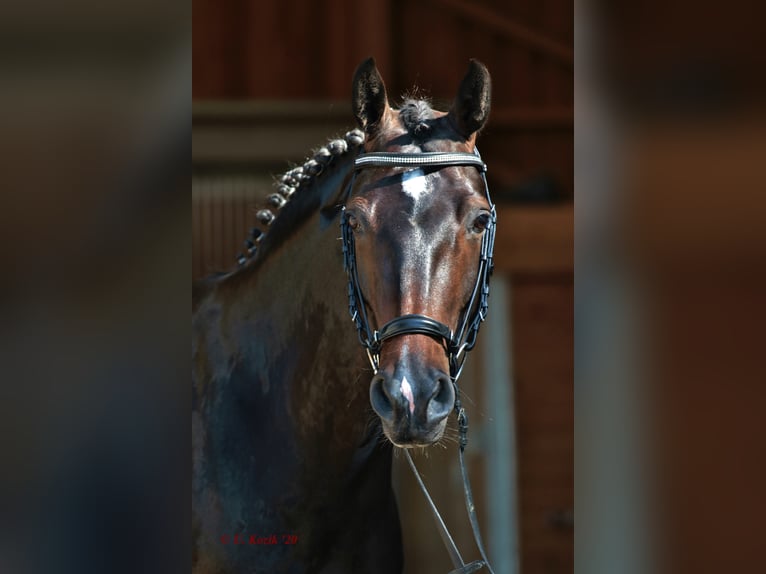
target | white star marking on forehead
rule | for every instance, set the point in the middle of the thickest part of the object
(415, 184)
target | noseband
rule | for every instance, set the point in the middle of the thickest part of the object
(457, 343)
(461, 340)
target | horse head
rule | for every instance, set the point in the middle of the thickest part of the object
(417, 236)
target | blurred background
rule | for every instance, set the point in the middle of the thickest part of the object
(669, 301)
(272, 81)
(94, 394)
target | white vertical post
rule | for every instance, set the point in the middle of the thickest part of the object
(500, 431)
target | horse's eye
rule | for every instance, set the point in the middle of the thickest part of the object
(353, 222)
(480, 223)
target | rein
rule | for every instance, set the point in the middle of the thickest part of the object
(457, 343)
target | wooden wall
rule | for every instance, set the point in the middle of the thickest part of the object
(300, 49)
(296, 49)
(304, 50)
(542, 310)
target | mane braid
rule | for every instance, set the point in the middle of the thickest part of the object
(291, 181)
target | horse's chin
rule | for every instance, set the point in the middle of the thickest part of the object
(407, 435)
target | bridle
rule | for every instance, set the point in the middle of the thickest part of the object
(462, 339)
(457, 342)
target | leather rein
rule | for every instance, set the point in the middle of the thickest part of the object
(457, 343)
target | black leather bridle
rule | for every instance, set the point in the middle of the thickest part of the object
(457, 342)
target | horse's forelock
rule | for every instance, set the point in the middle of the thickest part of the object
(415, 115)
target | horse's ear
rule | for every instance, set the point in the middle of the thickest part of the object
(470, 110)
(368, 96)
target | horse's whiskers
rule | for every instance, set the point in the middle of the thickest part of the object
(465, 396)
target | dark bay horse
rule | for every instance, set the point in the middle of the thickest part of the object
(292, 430)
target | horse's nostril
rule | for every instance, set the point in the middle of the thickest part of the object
(442, 401)
(441, 390)
(380, 399)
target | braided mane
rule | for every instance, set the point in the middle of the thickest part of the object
(292, 182)
(416, 115)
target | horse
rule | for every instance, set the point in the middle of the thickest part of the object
(293, 424)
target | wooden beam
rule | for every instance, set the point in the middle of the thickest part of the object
(275, 131)
(535, 239)
(264, 132)
(507, 27)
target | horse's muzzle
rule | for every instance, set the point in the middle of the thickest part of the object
(413, 403)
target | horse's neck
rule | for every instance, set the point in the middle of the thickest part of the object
(292, 313)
